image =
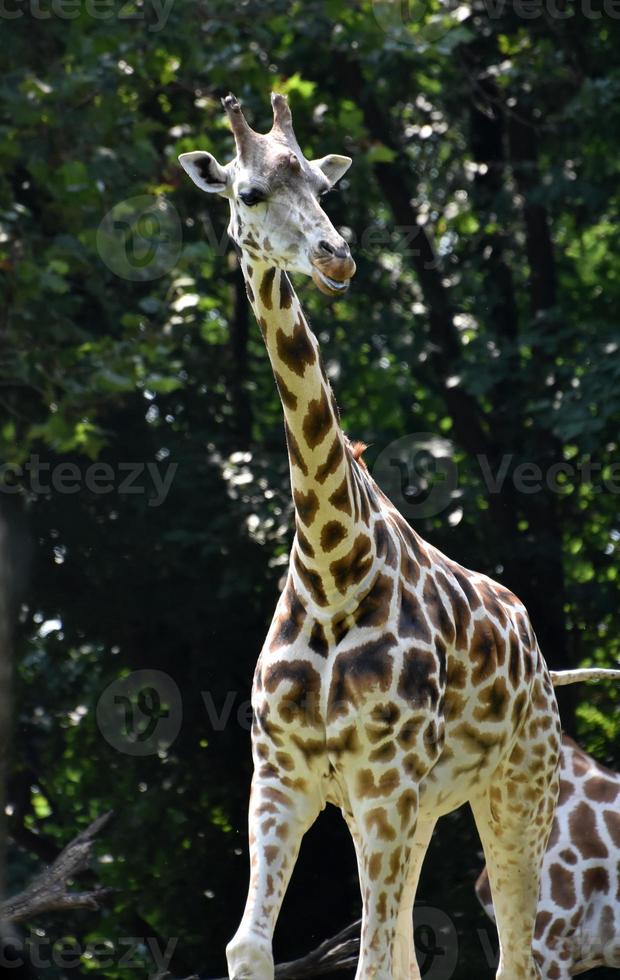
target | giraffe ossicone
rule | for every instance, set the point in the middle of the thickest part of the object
(393, 683)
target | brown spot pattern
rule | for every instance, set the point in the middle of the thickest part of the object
(332, 534)
(475, 741)
(385, 753)
(562, 887)
(483, 651)
(352, 567)
(306, 505)
(612, 822)
(411, 620)
(368, 786)
(491, 603)
(412, 540)
(461, 614)
(318, 420)
(294, 452)
(364, 668)
(600, 790)
(417, 684)
(584, 833)
(374, 608)
(266, 287)
(434, 607)
(312, 581)
(303, 542)
(406, 807)
(295, 349)
(408, 734)
(333, 460)
(340, 627)
(340, 498)
(595, 880)
(514, 659)
(466, 584)
(286, 293)
(384, 544)
(566, 791)
(301, 699)
(378, 819)
(542, 921)
(290, 620)
(289, 399)
(494, 701)
(318, 641)
(347, 742)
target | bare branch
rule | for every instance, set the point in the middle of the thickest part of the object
(340, 952)
(49, 892)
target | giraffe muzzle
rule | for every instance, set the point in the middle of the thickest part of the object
(333, 273)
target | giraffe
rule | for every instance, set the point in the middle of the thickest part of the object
(578, 920)
(393, 682)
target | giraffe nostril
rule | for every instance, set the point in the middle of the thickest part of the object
(340, 251)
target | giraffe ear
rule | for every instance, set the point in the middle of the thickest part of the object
(206, 172)
(333, 166)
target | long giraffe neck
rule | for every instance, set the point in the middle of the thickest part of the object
(333, 553)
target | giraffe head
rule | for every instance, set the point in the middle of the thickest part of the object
(273, 192)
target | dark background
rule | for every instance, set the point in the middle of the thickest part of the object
(483, 211)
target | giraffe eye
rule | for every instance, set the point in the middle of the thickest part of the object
(250, 198)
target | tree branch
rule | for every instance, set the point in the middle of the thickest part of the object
(49, 892)
(340, 952)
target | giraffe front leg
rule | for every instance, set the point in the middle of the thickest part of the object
(405, 962)
(279, 817)
(385, 829)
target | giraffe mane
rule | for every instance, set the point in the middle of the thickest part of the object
(357, 448)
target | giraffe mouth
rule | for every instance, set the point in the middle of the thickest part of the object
(331, 287)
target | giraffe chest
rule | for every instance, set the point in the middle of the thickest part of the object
(433, 698)
(355, 693)
(367, 717)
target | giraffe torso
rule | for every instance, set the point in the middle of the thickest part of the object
(578, 921)
(419, 685)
